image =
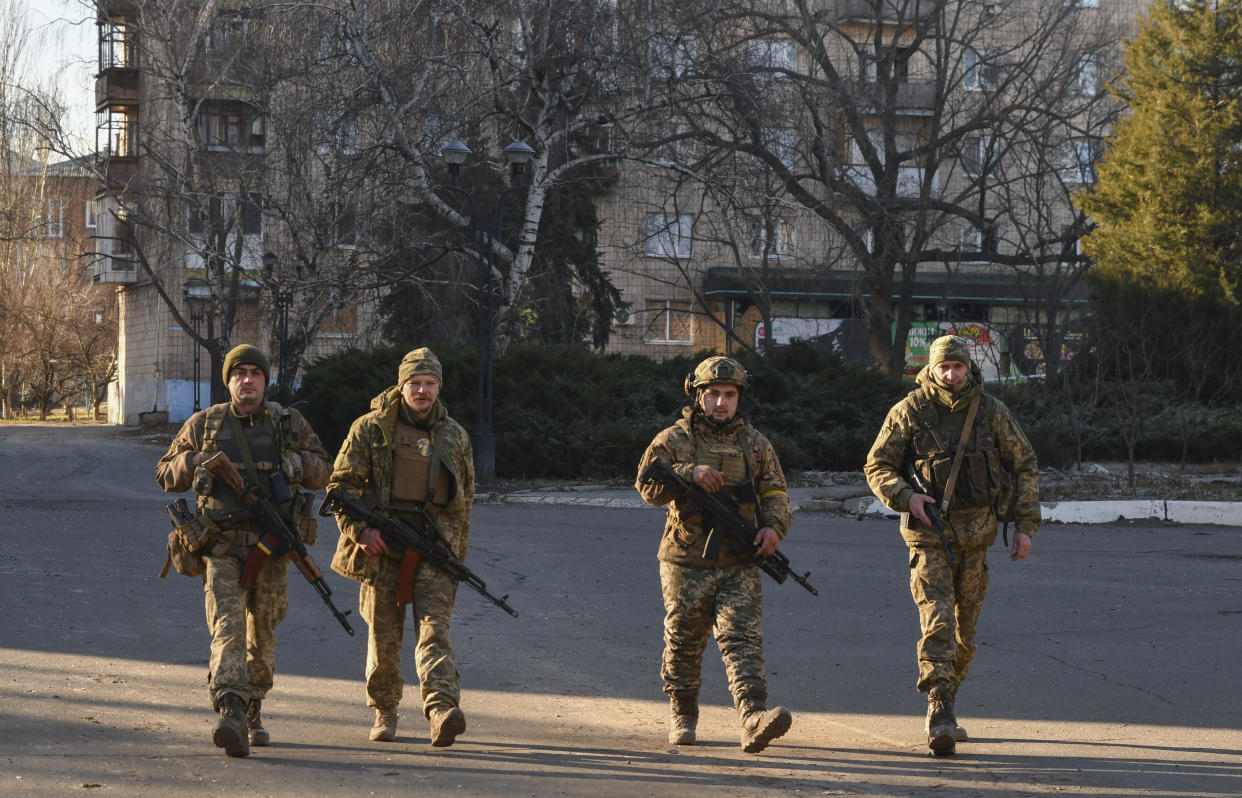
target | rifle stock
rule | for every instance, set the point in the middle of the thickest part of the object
(932, 509)
(278, 537)
(419, 540)
(775, 565)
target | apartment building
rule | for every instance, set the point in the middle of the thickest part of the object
(882, 176)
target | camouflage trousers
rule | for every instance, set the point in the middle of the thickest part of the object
(434, 594)
(728, 601)
(949, 600)
(243, 625)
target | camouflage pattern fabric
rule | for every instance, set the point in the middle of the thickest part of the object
(364, 467)
(677, 445)
(434, 594)
(243, 624)
(728, 600)
(949, 600)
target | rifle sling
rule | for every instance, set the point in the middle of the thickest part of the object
(951, 483)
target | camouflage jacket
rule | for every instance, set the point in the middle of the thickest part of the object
(175, 471)
(683, 539)
(364, 467)
(965, 526)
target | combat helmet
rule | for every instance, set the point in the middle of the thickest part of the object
(717, 370)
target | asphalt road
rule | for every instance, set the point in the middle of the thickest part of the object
(1108, 662)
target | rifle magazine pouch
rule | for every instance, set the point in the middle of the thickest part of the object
(180, 557)
(199, 532)
(308, 520)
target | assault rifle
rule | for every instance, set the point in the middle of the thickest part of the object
(416, 531)
(278, 537)
(932, 508)
(723, 518)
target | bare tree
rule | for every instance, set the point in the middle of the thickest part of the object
(865, 112)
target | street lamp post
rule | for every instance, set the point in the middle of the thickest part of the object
(281, 298)
(486, 228)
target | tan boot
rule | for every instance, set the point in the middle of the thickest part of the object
(254, 724)
(384, 730)
(683, 717)
(682, 728)
(940, 722)
(230, 733)
(761, 726)
(446, 724)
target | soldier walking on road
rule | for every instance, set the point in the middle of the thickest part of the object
(407, 454)
(966, 447)
(717, 449)
(268, 444)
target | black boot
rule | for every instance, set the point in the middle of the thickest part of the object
(941, 723)
(230, 731)
(254, 723)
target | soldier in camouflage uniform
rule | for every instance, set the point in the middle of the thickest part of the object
(717, 449)
(998, 461)
(260, 439)
(407, 454)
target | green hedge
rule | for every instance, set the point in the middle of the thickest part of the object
(562, 412)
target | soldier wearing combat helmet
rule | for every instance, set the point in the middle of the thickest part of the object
(716, 448)
(268, 444)
(964, 446)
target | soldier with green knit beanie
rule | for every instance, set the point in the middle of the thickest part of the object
(265, 442)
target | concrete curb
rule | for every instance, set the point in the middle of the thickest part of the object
(1102, 512)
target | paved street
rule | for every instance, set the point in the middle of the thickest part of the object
(1108, 662)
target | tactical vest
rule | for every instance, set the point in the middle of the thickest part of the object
(981, 475)
(265, 441)
(418, 476)
(733, 460)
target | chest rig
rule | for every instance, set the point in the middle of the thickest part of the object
(935, 443)
(419, 477)
(251, 444)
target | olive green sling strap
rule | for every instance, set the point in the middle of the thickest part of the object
(951, 483)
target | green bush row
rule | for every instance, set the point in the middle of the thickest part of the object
(562, 412)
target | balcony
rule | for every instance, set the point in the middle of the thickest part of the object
(116, 86)
(887, 12)
(914, 98)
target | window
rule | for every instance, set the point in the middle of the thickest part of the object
(116, 131)
(667, 236)
(340, 134)
(220, 129)
(781, 238)
(222, 211)
(976, 155)
(227, 33)
(668, 322)
(344, 224)
(1083, 3)
(116, 45)
(781, 143)
(773, 58)
(672, 56)
(1087, 82)
(92, 214)
(874, 68)
(980, 72)
(1080, 157)
(258, 135)
(51, 222)
(971, 243)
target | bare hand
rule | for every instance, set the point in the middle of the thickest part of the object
(766, 541)
(372, 542)
(1021, 546)
(708, 478)
(917, 502)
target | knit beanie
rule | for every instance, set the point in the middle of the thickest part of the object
(949, 347)
(419, 361)
(248, 355)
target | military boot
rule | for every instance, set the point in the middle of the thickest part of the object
(683, 718)
(230, 733)
(254, 722)
(446, 724)
(384, 730)
(761, 726)
(940, 722)
(959, 732)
